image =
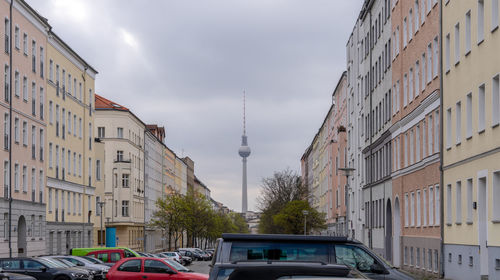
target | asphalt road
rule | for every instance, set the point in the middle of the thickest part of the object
(200, 266)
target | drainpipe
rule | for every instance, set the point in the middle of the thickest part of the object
(144, 190)
(441, 173)
(10, 131)
(370, 207)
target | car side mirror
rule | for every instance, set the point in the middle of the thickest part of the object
(377, 268)
(44, 269)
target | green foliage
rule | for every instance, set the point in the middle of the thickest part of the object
(290, 219)
(277, 191)
(193, 214)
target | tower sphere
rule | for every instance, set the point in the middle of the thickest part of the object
(244, 151)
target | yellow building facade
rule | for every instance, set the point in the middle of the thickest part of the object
(73, 166)
(471, 139)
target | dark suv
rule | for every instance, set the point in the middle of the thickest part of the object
(42, 269)
(270, 248)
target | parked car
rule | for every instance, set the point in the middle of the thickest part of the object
(127, 252)
(94, 273)
(244, 248)
(151, 268)
(99, 270)
(173, 255)
(280, 270)
(108, 255)
(193, 255)
(96, 261)
(42, 269)
(199, 254)
(14, 276)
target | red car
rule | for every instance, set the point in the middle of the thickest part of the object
(151, 268)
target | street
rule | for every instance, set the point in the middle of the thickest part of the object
(200, 266)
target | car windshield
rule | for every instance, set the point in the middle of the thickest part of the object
(279, 251)
(50, 264)
(177, 266)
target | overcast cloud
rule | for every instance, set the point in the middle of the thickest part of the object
(183, 64)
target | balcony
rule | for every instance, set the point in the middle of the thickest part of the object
(122, 160)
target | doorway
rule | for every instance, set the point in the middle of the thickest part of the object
(388, 231)
(482, 215)
(21, 237)
(396, 260)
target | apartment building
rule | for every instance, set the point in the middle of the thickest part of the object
(471, 139)
(123, 135)
(71, 157)
(23, 114)
(355, 133)
(169, 171)
(181, 176)
(415, 136)
(375, 73)
(154, 184)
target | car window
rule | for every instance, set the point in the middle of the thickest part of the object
(128, 254)
(103, 257)
(154, 266)
(30, 264)
(74, 261)
(115, 256)
(130, 266)
(354, 256)
(280, 251)
(11, 264)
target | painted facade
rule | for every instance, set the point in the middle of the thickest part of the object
(124, 141)
(416, 236)
(471, 139)
(22, 110)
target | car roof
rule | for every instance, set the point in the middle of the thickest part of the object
(286, 237)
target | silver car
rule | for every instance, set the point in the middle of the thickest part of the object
(99, 271)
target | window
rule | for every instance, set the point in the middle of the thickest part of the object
(6, 82)
(410, 25)
(424, 208)
(480, 21)
(429, 134)
(448, 128)
(130, 266)
(51, 117)
(50, 199)
(7, 35)
(419, 217)
(16, 83)
(90, 136)
(25, 179)
(80, 127)
(447, 52)
(406, 210)
(41, 144)
(458, 210)
(417, 78)
(25, 88)
(435, 60)
(154, 266)
(50, 155)
(405, 33)
(16, 37)
(41, 103)
(467, 33)
(101, 132)
(494, 16)
(412, 210)
(33, 142)
(431, 206)
(33, 184)
(119, 132)
(437, 206)
(25, 43)
(481, 109)
(124, 208)
(69, 123)
(6, 125)
(410, 85)
(417, 24)
(125, 180)
(350, 255)
(457, 43)
(98, 169)
(80, 165)
(470, 200)
(496, 196)
(16, 130)
(74, 125)
(405, 90)
(33, 98)
(42, 60)
(16, 177)
(423, 72)
(25, 133)
(458, 115)
(417, 143)
(51, 70)
(33, 56)
(41, 187)
(495, 100)
(429, 63)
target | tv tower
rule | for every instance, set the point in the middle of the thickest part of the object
(244, 152)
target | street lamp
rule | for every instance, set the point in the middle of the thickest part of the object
(305, 213)
(347, 172)
(101, 205)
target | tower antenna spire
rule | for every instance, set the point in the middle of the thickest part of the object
(244, 114)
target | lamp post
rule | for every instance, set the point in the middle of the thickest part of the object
(347, 172)
(101, 204)
(305, 213)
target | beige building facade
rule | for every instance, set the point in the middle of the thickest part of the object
(471, 139)
(22, 111)
(123, 136)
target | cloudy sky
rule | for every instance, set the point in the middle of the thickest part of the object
(184, 64)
